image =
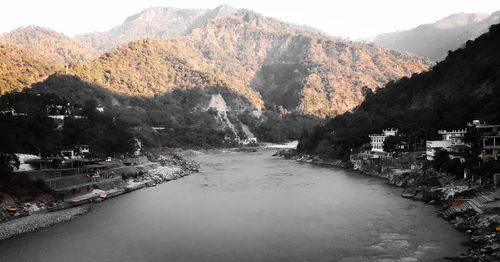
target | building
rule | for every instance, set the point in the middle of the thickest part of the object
(79, 151)
(451, 141)
(457, 146)
(377, 140)
(490, 135)
(457, 137)
(454, 142)
(83, 149)
(137, 147)
(68, 154)
(432, 147)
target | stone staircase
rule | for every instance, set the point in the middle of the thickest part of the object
(476, 204)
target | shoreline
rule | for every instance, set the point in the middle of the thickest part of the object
(72, 208)
(27, 224)
(481, 246)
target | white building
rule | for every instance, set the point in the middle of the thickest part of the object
(377, 140)
(83, 149)
(451, 141)
(457, 137)
(434, 146)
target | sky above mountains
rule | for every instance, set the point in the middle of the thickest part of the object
(352, 19)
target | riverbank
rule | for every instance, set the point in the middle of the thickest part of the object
(20, 217)
(471, 208)
(39, 220)
(292, 154)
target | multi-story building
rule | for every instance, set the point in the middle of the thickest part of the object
(490, 136)
(432, 147)
(451, 141)
(457, 137)
(454, 141)
(377, 140)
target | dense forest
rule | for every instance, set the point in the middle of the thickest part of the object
(180, 119)
(30, 130)
(463, 87)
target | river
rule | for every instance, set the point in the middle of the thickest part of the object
(249, 207)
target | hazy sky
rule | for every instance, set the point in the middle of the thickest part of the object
(347, 18)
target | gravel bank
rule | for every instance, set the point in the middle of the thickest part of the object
(37, 221)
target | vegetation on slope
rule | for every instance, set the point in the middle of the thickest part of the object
(34, 132)
(261, 59)
(463, 87)
(300, 70)
(57, 49)
(182, 114)
(154, 67)
(19, 68)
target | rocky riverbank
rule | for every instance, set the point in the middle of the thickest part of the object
(19, 216)
(469, 205)
(479, 219)
(39, 220)
(292, 154)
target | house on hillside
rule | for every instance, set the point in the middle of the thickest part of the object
(82, 149)
(11, 112)
(452, 141)
(377, 140)
(158, 128)
(79, 151)
(99, 108)
(490, 136)
(457, 137)
(432, 147)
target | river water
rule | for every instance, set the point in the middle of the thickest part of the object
(249, 207)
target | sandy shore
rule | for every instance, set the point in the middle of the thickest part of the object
(39, 220)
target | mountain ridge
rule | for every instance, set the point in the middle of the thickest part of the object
(457, 90)
(154, 22)
(57, 48)
(272, 64)
(434, 40)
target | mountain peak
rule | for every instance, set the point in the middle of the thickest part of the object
(33, 30)
(55, 47)
(436, 39)
(166, 22)
(460, 19)
(225, 8)
(153, 13)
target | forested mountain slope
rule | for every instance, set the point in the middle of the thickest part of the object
(463, 87)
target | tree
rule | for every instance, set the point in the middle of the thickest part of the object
(440, 158)
(473, 150)
(392, 144)
(8, 162)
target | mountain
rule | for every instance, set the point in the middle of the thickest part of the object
(268, 63)
(302, 70)
(435, 40)
(164, 22)
(463, 87)
(57, 49)
(30, 54)
(153, 67)
(19, 68)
